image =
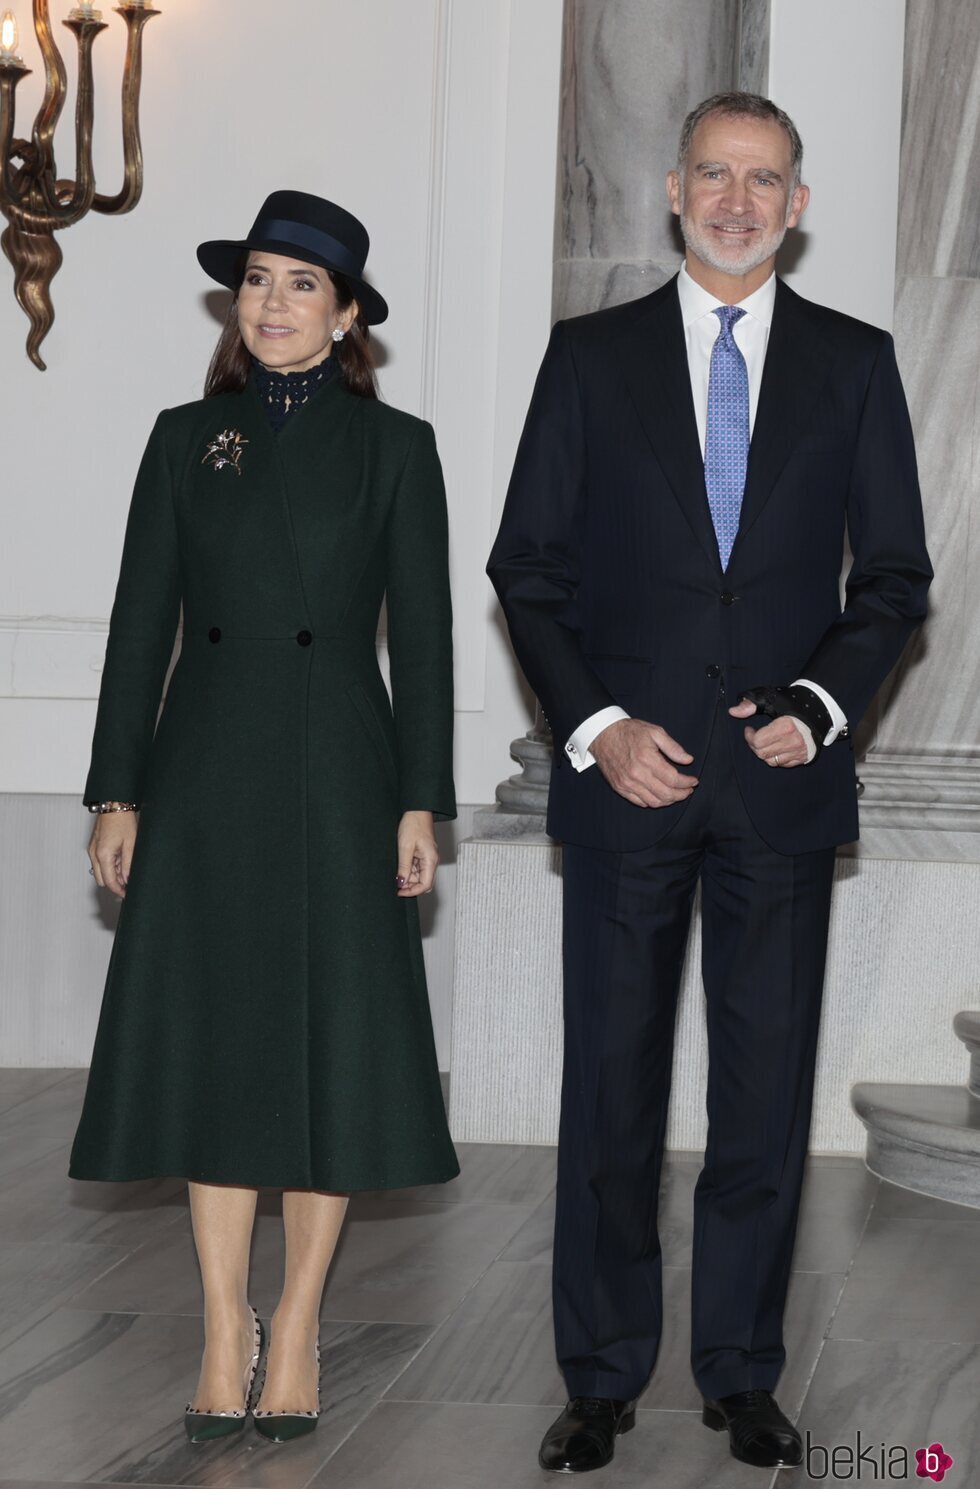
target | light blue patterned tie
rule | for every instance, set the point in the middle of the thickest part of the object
(726, 441)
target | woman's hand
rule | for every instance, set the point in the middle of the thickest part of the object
(110, 850)
(418, 856)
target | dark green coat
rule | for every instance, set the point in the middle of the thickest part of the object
(265, 1019)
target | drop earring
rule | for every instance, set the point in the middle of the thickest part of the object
(338, 334)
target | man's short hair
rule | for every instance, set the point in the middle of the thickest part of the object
(741, 106)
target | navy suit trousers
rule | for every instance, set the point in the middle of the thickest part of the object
(764, 936)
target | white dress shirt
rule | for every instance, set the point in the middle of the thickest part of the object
(701, 329)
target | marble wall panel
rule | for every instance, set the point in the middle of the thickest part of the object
(632, 70)
(939, 226)
(753, 43)
(932, 704)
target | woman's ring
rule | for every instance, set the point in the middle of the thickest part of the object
(92, 872)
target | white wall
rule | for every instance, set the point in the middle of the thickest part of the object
(435, 122)
(836, 68)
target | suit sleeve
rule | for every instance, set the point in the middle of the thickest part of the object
(885, 599)
(142, 630)
(535, 563)
(420, 632)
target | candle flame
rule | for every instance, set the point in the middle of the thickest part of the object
(8, 31)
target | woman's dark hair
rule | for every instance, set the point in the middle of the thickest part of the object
(232, 361)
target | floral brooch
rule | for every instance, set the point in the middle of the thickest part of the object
(226, 449)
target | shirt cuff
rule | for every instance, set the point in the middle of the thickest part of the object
(838, 720)
(578, 747)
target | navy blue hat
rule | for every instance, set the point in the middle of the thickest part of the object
(304, 227)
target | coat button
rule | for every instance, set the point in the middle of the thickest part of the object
(713, 671)
(728, 598)
(304, 637)
(214, 634)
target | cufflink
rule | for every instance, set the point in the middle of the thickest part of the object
(569, 749)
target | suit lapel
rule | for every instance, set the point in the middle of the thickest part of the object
(797, 364)
(653, 355)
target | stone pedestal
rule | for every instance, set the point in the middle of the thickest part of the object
(888, 1004)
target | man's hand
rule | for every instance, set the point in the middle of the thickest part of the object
(635, 758)
(780, 743)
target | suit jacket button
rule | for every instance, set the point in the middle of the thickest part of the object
(304, 637)
(214, 634)
(728, 598)
(713, 671)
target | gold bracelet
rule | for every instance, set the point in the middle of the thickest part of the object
(113, 806)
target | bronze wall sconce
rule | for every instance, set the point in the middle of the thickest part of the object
(36, 203)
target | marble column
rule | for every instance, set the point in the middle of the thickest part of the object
(922, 769)
(631, 70)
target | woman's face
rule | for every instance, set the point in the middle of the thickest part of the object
(287, 312)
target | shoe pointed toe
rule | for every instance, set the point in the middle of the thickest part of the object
(212, 1426)
(287, 1427)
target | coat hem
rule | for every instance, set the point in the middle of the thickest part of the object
(327, 1183)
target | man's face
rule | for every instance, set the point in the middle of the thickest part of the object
(736, 199)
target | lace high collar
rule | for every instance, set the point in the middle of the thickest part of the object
(281, 393)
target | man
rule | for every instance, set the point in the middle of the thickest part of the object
(669, 562)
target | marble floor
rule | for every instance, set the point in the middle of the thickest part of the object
(437, 1359)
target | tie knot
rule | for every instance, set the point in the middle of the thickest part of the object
(728, 315)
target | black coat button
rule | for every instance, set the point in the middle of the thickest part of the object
(728, 598)
(713, 671)
(214, 634)
(304, 637)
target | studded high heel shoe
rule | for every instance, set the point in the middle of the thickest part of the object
(284, 1426)
(202, 1425)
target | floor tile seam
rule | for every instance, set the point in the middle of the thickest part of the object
(61, 1144)
(113, 1483)
(845, 1278)
(74, 1306)
(447, 1320)
(815, 1271)
(36, 1246)
(916, 1338)
(499, 1204)
(970, 1224)
(355, 1426)
(435, 1206)
(94, 1281)
(69, 1071)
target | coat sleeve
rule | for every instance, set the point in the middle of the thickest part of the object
(885, 598)
(536, 558)
(420, 632)
(142, 629)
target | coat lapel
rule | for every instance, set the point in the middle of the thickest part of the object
(797, 364)
(653, 354)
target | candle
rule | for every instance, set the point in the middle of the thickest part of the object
(8, 40)
(84, 11)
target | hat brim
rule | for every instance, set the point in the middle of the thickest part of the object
(220, 259)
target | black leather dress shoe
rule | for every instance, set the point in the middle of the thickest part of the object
(757, 1430)
(584, 1436)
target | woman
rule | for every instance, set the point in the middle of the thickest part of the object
(265, 1020)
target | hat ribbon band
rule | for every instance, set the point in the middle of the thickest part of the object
(278, 229)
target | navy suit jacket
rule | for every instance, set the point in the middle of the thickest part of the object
(607, 566)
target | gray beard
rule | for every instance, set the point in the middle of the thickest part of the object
(703, 247)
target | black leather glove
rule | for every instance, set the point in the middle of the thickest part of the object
(799, 702)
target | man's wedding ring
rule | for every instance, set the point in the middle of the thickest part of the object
(775, 759)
